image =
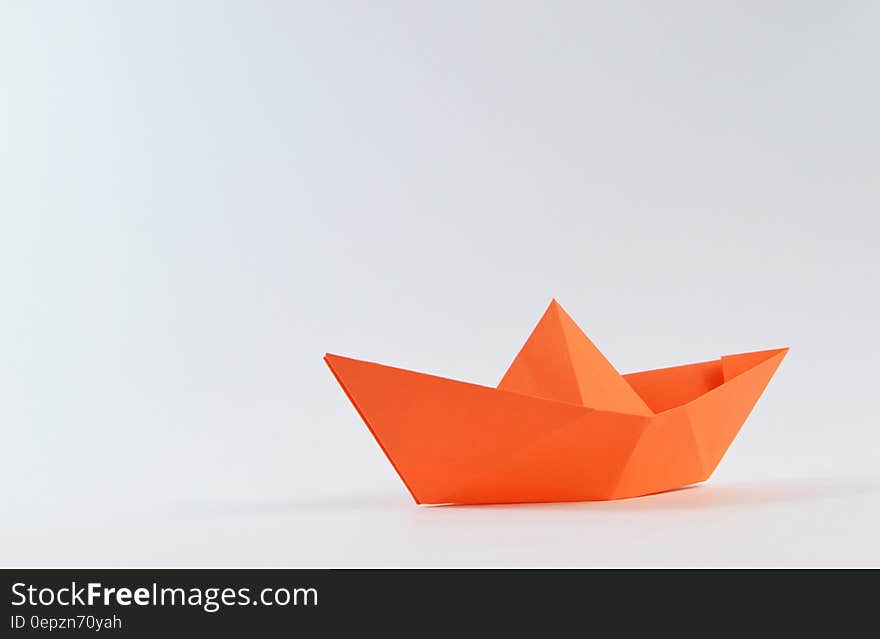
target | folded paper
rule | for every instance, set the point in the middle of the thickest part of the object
(562, 425)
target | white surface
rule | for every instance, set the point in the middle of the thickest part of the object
(199, 199)
(819, 522)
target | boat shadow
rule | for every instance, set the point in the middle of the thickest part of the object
(718, 496)
(710, 496)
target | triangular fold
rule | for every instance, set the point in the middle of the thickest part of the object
(717, 416)
(543, 367)
(667, 456)
(558, 361)
(733, 365)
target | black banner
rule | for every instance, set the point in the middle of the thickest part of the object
(150, 603)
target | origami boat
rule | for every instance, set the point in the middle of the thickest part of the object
(563, 424)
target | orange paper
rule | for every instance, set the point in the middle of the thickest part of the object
(563, 424)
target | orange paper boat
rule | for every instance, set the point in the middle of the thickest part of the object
(563, 424)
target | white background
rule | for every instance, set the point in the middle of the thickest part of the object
(198, 199)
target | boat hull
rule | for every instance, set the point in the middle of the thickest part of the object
(453, 442)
